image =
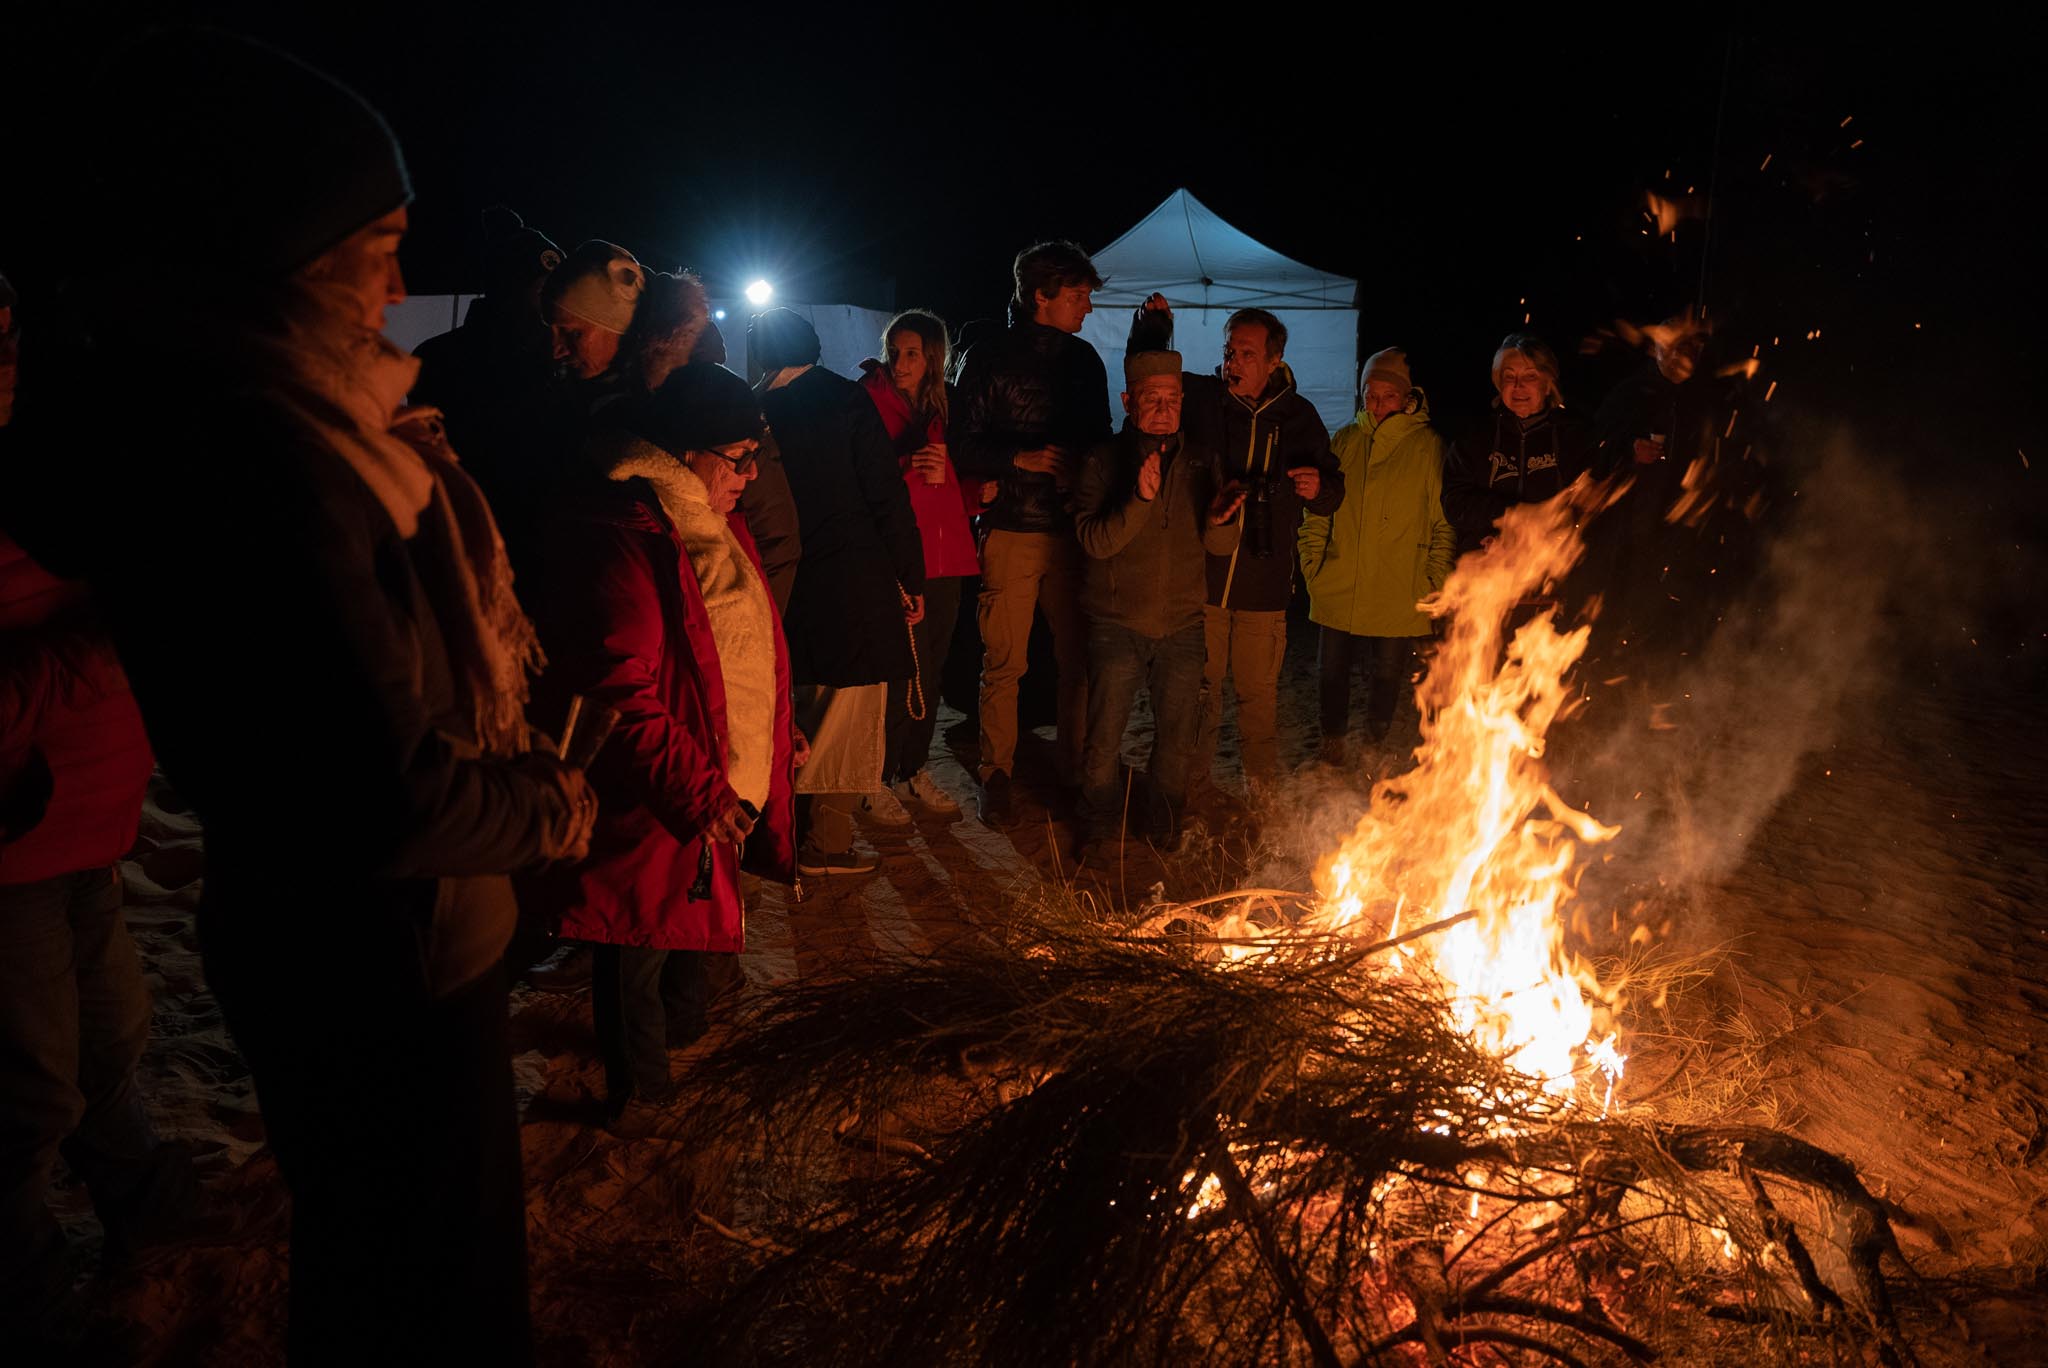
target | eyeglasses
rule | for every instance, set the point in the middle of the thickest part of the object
(741, 456)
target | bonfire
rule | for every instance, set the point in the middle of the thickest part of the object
(1385, 1121)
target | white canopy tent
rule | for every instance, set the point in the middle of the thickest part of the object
(1207, 270)
(847, 335)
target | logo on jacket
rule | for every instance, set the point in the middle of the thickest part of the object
(1503, 468)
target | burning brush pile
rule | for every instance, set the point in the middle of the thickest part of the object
(1385, 1122)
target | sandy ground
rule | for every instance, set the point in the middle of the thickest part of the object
(1881, 957)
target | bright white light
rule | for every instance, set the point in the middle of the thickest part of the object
(759, 293)
(718, 314)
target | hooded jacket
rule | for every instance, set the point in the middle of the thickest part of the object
(626, 625)
(1257, 442)
(1145, 558)
(74, 760)
(1389, 545)
(941, 509)
(1502, 460)
(1031, 386)
(860, 538)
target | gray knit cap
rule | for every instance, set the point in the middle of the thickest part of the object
(245, 160)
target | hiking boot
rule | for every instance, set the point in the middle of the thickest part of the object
(995, 807)
(570, 973)
(881, 808)
(818, 864)
(923, 790)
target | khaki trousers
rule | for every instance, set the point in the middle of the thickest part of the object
(1020, 572)
(1247, 648)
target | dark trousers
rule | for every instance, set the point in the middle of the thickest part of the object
(641, 1002)
(74, 1016)
(1170, 668)
(910, 740)
(390, 1111)
(1388, 662)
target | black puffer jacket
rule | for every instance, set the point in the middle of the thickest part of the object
(1032, 386)
(1501, 460)
(1258, 444)
(845, 618)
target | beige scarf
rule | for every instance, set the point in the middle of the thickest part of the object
(344, 385)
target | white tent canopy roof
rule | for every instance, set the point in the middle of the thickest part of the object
(1187, 252)
(1207, 270)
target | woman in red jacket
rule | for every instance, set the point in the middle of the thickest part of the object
(661, 611)
(908, 386)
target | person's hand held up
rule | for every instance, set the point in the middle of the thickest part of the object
(1148, 478)
(1156, 303)
(1224, 506)
(1308, 481)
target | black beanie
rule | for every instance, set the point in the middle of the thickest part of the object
(699, 406)
(780, 338)
(244, 160)
(515, 255)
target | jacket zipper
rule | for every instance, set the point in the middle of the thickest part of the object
(1251, 445)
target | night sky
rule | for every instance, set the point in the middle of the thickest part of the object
(890, 157)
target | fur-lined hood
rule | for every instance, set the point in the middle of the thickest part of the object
(668, 321)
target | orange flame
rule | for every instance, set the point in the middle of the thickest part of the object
(1476, 826)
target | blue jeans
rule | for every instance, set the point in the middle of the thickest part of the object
(74, 1016)
(1170, 669)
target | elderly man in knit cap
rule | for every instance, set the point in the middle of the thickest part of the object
(319, 629)
(1268, 435)
(1386, 547)
(859, 587)
(1148, 505)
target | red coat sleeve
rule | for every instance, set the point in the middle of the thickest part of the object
(611, 644)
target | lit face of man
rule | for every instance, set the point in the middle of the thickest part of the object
(1153, 402)
(585, 350)
(726, 472)
(1067, 308)
(365, 265)
(1383, 399)
(906, 360)
(1524, 390)
(1247, 362)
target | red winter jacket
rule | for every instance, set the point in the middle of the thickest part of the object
(942, 509)
(64, 703)
(627, 627)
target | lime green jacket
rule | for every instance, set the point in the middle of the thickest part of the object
(1388, 544)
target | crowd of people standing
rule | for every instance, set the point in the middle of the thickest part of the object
(401, 574)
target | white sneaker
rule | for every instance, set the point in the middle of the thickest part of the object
(923, 790)
(881, 808)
